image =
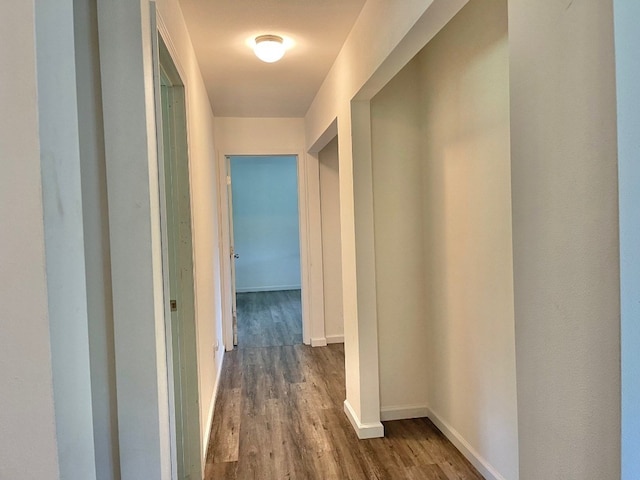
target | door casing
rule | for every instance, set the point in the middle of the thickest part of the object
(178, 269)
(311, 275)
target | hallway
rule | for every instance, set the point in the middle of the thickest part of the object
(480, 159)
(279, 415)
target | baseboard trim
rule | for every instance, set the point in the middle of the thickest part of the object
(319, 342)
(335, 339)
(273, 288)
(403, 412)
(481, 464)
(212, 408)
(363, 430)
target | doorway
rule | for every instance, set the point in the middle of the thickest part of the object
(178, 270)
(265, 249)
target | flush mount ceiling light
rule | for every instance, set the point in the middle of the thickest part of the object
(269, 48)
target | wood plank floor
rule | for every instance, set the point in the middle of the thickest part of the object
(279, 415)
(269, 319)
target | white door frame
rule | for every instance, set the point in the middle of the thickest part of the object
(312, 294)
(189, 445)
(232, 252)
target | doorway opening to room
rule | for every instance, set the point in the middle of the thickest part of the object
(265, 249)
(178, 268)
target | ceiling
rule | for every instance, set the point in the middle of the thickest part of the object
(240, 85)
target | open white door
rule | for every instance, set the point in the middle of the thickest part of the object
(233, 254)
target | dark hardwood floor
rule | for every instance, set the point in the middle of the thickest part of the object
(269, 319)
(279, 415)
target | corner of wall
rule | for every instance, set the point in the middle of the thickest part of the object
(212, 404)
(471, 454)
(363, 430)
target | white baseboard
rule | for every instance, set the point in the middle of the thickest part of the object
(319, 342)
(324, 341)
(335, 338)
(212, 408)
(363, 430)
(481, 464)
(404, 412)
(272, 288)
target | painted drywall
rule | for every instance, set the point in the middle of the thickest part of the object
(565, 239)
(464, 101)
(27, 418)
(64, 238)
(441, 196)
(331, 249)
(136, 258)
(265, 223)
(96, 247)
(142, 392)
(384, 38)
(399, 243)
(368, 411)
(259, 136)
(380, 27)
(204, 208)
(278, 136)
(627, 39)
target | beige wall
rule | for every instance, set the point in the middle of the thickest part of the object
(561, 122)
(399, 246)
(442, 201)
(469, 267)
(259, 136)
(385, 37)
(565, 238)
(204, 210)
(331, 249)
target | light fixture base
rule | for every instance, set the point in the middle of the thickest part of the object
(269, 48)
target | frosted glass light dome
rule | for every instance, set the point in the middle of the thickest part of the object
(269, 48)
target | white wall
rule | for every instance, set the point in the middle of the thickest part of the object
(204, 208)
(249, 136)
(259, 136)
(278, 136)
(136, 261)
(564, 220)
(385, 37)
(565, 239)
(564, 215)
(464, 89)
(627, 39)
(142, 395)
(96, 248)
(399, 246)
(441, 195)
(208, 317)
(265, 223)
(331, 249)
(28, 442)
(64, 238)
